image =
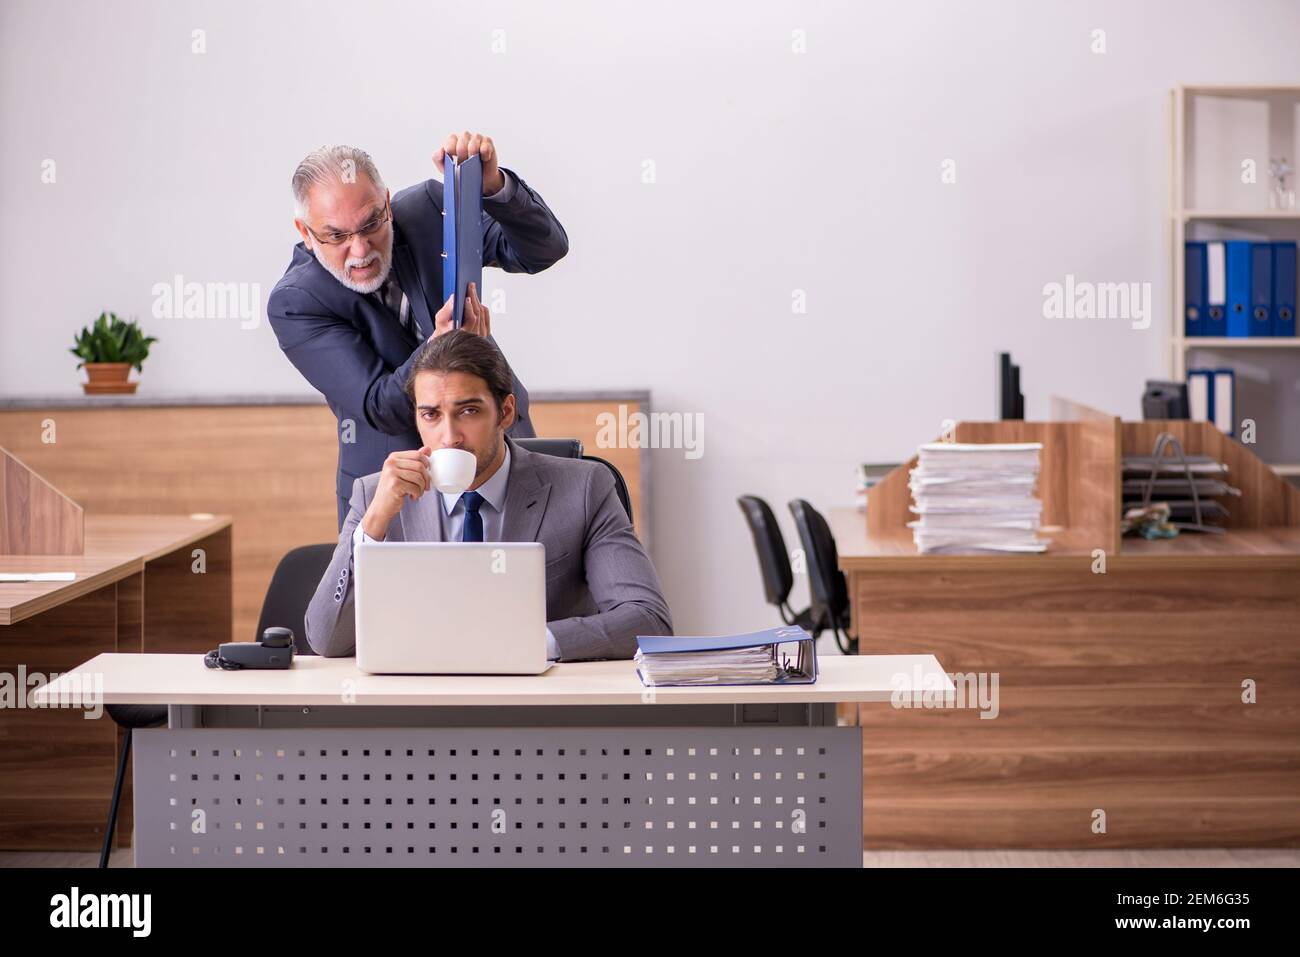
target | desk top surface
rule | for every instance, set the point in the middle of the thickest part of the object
(184, 680)
(894, 549)
(116, 546)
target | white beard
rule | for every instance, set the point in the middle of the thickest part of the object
(385, 263)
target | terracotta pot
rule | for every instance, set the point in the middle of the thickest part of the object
(108, 378)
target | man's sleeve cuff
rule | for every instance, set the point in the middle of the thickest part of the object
(506, 192)
(552, 649)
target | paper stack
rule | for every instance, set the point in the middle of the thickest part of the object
(759, 657)
(723, 666)
(976, 497)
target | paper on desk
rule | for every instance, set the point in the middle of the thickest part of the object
(38, 576)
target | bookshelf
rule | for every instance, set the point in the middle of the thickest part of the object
(1208, 200)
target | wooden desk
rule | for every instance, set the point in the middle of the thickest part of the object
(581, 766)
(140, 587)
(1121, 691)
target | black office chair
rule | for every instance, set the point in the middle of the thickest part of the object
(572, 449)
(774, 562)
(564, 448)
(620, 486)
(292, 585)
(128, 717)
(294, 582)
(826, 585)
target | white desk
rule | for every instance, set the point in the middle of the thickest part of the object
(582, 766)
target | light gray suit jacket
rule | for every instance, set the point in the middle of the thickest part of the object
(601, 589)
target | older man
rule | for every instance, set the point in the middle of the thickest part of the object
(363, 290)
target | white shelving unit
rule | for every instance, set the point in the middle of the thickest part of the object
(1282, 104)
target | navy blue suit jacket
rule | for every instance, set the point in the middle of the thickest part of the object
(353, 349)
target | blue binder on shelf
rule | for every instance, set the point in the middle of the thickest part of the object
(1238, 273)
(1194, 289)
(1215, 320)
(462, 231)
(800, 670)
(1261, 289)
(1284, 289)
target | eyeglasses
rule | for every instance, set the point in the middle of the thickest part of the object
(337, 238)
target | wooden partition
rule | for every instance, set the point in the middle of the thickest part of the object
(1148, 695)
(35, 517)
(269, 465)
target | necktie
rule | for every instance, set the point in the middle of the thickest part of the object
(390, 293)
(473, 529)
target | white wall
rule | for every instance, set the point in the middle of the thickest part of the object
(776, 172)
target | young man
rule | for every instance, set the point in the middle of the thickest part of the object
(601, 589)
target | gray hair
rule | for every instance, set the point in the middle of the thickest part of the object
(328, 165)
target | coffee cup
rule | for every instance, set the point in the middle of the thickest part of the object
(452, 469)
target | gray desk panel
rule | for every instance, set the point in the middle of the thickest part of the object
(493, 796)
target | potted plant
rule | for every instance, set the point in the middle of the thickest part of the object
(108, 349)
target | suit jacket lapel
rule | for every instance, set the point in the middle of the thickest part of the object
(409, 278)
(526, 497)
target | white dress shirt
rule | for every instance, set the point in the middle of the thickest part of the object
(492, 511)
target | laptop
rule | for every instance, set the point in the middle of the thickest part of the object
(451, 608)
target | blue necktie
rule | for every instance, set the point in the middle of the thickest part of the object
(473, 529)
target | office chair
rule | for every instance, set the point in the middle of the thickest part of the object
(128, 717)
(292, 586)
(620, 486)
(774, 562)
(826, 585)
(564, 448)
(572, 449)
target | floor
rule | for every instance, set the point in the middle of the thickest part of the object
(1227, 857)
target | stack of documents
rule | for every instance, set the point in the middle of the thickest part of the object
(761, 657)
(976, 497)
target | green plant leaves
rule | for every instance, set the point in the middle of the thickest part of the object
(111, 339)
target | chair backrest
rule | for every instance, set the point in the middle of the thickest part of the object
(620, 486)
(572, 449)
(769, 543)
(291, 590)
(826, 585)
(564, 448)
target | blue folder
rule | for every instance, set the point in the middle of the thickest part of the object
(1284, 289)
(462, 231)
(1238, 274)
(1195, 284)
(801, 671)
(1261, 289)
